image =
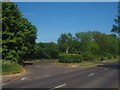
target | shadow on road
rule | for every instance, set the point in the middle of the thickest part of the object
(27, 63)
(112, 65)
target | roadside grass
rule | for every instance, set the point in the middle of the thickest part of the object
(111, 60)
(10, 68)
(86, 63)
(42, 60)
(0, 67)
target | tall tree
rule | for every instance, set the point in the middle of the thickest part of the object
(0, 30)
(108, 43)
(116, 27)
(18, 34)
(85, 38)
(66, 43)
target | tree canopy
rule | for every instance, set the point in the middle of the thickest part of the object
(18, 34)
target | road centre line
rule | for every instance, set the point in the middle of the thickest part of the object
(24, 79)
(58, 86)
(37, 77)
(106, 69)
(3, 84)
(46, 75)
(37, 66)
(101, 64)
(91, 74)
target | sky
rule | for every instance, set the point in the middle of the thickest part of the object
(54, 18)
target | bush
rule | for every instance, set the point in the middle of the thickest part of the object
(88, 56)
(70, 58)
(108, 55)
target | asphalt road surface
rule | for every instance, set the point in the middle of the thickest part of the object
(52, 76)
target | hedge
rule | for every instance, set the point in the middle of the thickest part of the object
(70, 58)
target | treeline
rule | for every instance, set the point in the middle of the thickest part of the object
(45, 51)
(18, 41)
(89, 45)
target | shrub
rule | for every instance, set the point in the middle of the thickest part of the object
(88, 56)
(70, 58)
(108, 55)
(102, 58)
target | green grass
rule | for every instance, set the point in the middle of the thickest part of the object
(87, 63)
(10, 68)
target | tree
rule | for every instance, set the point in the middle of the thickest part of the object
(46, 50)
(116, 27)
(18, 34)
(84, 38)
(66, 43)
(0, 30)
(108, 43)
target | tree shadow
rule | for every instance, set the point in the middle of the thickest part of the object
(27, 63)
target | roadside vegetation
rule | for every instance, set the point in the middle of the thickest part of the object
(84, 48)
(9, 67)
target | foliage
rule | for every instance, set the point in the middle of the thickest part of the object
(18, 34)
(87, 56)
(108, 43)
(10, 68)
(116, 26)
(46, 50)
(18, 41)
(0, 30)
(90, 45)
(70, 58)
(66, 43)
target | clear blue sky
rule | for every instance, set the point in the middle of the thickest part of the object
(53, 19)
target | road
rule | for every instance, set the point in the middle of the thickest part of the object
(52, 76)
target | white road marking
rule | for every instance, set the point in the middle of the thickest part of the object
(91, 74)
(3, 83)
(101, 64)
(46, 75)
(106, 69)
(58, 86)
(23, 79)
(37, 77)
(37, 66)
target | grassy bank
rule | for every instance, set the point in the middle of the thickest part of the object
(10, 68)
(86, 63)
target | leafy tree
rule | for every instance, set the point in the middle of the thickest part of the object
(107, 43)
(85, 38)
(18, 34)
(66, 43)
(0, 30)
(116, 27)
(46, 50)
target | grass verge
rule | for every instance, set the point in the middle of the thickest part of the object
(86, 63)
(10, 68)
